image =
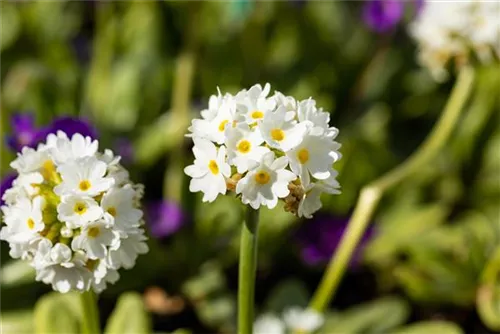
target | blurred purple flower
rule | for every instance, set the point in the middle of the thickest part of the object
(25, 133)
(124, 148)
(383, 15)
(6, 184)
(164, 218)
(319, 237)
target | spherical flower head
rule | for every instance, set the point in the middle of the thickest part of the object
(73, 213)
(456, 31)
(267, 148)
(164, 218)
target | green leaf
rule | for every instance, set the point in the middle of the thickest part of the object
(426, 327)
(287, 293)
(57, 313)
(16, 272)
(10, 25)
(129, 316)
(17, 322)
(375, 317)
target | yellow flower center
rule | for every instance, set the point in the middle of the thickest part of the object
(244, 146)
(49, 172)
(277, 134)
(303, 156)
(112, 211)
(80, 208)
(94, 232)
(262, 177)
(222, 125)
(84, 185)
(257, 114)
(30, 223)
(214, 168)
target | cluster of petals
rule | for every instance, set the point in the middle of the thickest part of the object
(458, 31)
(73, 213)
(265, 148)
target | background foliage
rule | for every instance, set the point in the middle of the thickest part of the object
(122, 65)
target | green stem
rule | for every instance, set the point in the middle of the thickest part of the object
(181, 96)
(371, 194)
(247, 268)
(90, 313)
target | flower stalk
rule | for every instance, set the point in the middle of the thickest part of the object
(372, 193)
(90, 313)
(247, 271)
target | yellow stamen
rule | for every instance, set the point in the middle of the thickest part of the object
(80, 208)
(214, 168)
(31, 223)
(257, 114)
(277, 134)
(262, 177)
(94, 232)
(84, 185)
(244, 146)
(222, 125)
(303, 156)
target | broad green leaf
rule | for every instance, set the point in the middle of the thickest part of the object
(17, 322)
(378, 316)
(16, 272)
(129, 316)
(57, 313)
(428, 327)
(488, 294)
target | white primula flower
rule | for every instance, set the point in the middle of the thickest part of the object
(266, 182)
(69, 208)
(64, 150)
(24, 221)
(243, 147)
(125, 254)
(268, 324)
(298, 319)
(314, 156)
(94, 239)
(454, 30)
(220, 115)
(254, 103)
(261, 147)
(209, 170)
(280, 130)
(30, 160)
(118, 205)
(78, 211)
(84, 176)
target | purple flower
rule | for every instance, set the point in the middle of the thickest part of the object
(24, 132)
(6, 184)
(319, 238)
(383, 15)
(125, 149)
(164, 218)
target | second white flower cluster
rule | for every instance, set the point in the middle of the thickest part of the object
(264, 148)
(73, 213)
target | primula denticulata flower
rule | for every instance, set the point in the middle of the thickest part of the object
(264, 148)
(73, 213)
(457, 30)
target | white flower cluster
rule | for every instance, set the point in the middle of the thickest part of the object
(452, 30)
(73, 213)
(294, 319)
(264, 148)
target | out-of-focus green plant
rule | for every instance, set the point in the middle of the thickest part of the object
(129, 316)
